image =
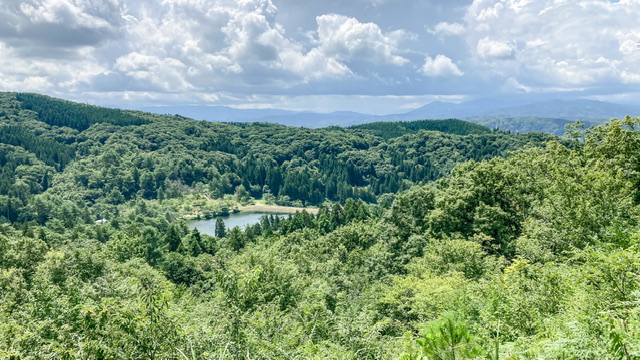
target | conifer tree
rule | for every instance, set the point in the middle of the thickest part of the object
(221, 230)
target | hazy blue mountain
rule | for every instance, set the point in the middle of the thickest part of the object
(560, 109)
(318, 120)
(549, 116)
(438, 109)
(525, 124)
(285, 117)
(568, 109)
(513, 114)
(217, 113)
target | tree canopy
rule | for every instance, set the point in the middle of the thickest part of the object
(426, 244)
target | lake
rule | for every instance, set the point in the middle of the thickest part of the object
(241, 219)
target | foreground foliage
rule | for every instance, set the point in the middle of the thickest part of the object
(532, 256)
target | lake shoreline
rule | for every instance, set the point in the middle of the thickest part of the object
(277, 209)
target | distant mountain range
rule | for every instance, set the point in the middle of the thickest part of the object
(566, 109)
(517, 116)
(307, 119)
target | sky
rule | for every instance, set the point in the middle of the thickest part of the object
(371, 56)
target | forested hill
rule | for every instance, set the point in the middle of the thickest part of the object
(99, 158)
(426, 245)
(63, 113)
(389, 130)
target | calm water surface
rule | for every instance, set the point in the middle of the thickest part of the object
(240, 219)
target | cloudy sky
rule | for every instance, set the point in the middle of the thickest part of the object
(375, 56)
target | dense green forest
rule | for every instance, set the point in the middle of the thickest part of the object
(524, 124)
(99, 159)
(463, 244)
(389, 130)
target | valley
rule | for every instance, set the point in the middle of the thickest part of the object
(429, 239)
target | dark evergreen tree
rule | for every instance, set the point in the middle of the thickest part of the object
(220, 229)
(172, 239)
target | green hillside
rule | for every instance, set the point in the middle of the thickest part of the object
(63, 113)
(389, 130)
(427, 245)
(525, 124)
(103, 158)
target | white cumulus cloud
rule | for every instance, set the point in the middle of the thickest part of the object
(448, 29)
(555, 44)
(346, 38)
(76, 13)
(167, 74)
(440, 66)
(199, 50)
(224, 43)
(488, 48)
(60, 23)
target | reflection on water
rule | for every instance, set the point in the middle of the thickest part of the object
(240, 219)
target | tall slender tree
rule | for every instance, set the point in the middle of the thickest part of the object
(220, 230)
